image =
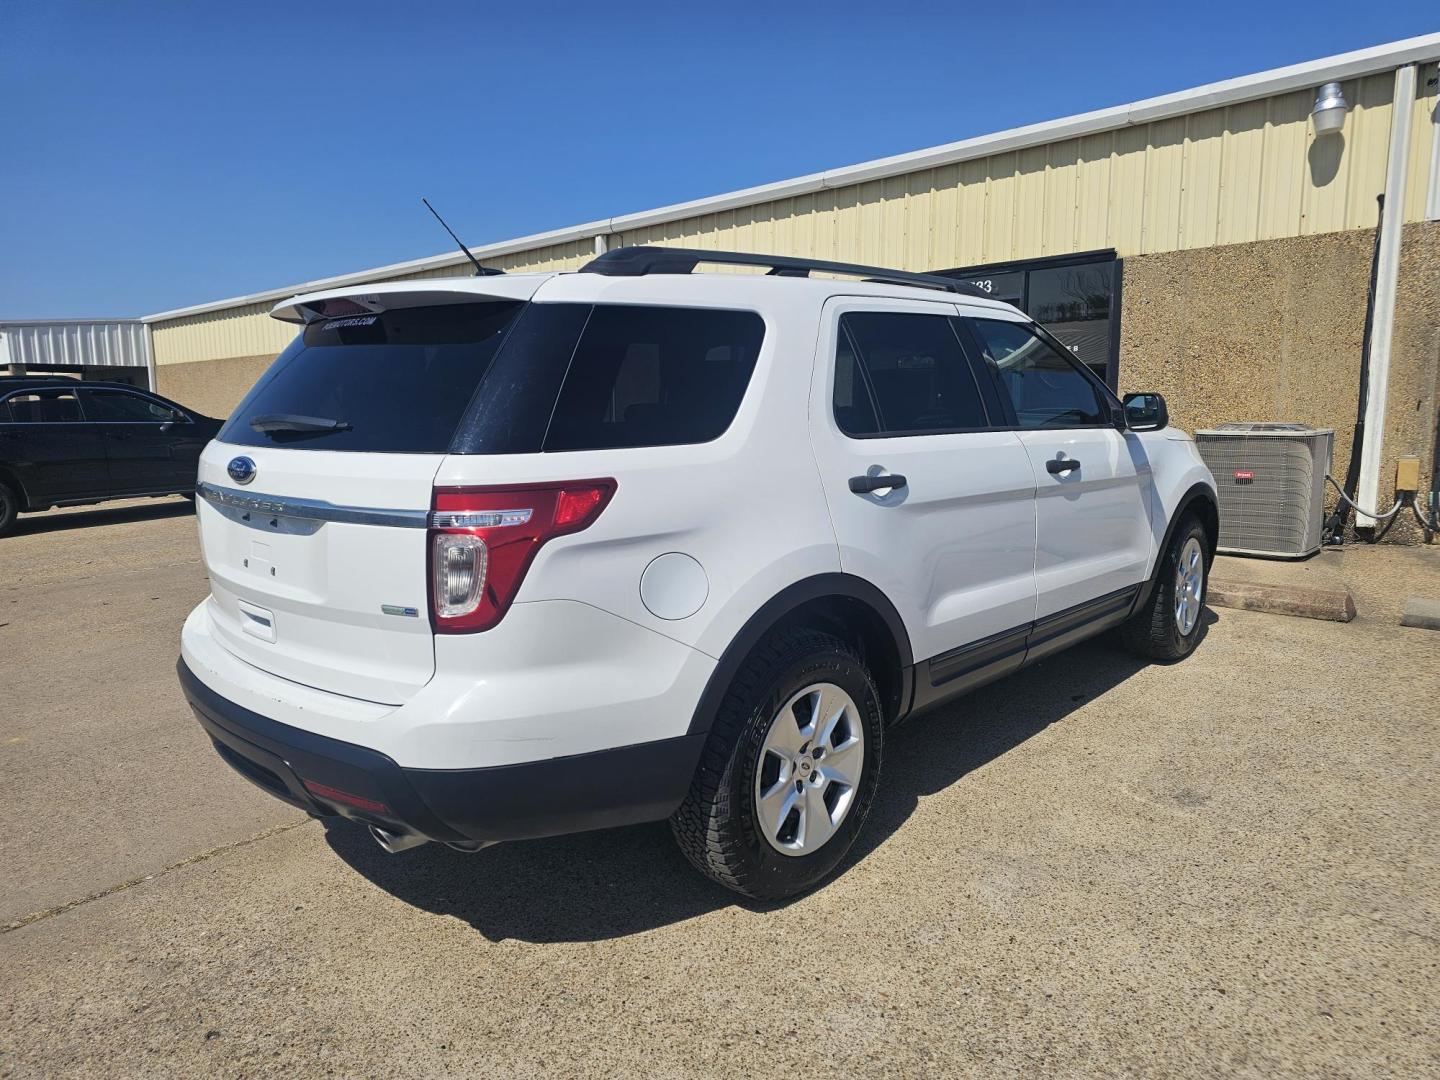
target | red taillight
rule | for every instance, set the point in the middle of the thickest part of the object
(483, 539)
(344, 798)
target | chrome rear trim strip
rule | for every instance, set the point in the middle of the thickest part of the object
(311, 509)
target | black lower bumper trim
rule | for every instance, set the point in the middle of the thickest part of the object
(621, 786)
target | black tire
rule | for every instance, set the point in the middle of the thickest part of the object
(1154, 631)
(717, 825)
(9, 508)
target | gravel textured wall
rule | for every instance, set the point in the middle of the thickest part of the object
(1272, 331)
(212, 387)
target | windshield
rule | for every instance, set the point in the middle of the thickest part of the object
(396, 382)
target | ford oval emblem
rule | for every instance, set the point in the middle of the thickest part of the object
(241, 470)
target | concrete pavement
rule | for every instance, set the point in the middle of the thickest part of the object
(1222, 867)
(105, 773)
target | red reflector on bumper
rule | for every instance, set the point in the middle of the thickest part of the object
(335, 795)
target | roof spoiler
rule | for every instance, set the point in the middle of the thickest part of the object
(363, 300)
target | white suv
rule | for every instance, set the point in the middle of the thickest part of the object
(514, 556)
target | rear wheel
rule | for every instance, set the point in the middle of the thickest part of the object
(1168, 627)
(9, 507)
(789, 770)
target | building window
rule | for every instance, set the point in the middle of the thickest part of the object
(1075, 297)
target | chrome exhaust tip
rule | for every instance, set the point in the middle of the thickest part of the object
(394, 843)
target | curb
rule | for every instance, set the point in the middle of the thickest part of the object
(1332, 605)
(1422, 613)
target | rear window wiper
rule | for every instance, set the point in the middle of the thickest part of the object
(273, 422)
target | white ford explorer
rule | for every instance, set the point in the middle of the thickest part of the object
(513, 556)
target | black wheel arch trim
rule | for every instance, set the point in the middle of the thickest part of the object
(1197, 493)
(11, 479)
(774, 610)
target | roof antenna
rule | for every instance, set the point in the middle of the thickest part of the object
(480, 271)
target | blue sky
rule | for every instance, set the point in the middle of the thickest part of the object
(158, 155)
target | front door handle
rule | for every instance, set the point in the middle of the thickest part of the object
(1061, 465)
(863, 485)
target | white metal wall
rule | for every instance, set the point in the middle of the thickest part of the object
(108, 343)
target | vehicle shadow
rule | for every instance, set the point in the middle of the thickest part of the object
(609, 884)
(62, 520)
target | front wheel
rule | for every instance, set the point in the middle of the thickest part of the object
(789, 769)
(1168, 626)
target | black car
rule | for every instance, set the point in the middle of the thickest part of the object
(64, 442)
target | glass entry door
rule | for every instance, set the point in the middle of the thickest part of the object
(1075, 297)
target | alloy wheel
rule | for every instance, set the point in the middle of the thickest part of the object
(1189, 585)
(809, 769)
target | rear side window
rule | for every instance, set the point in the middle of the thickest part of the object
(654, 376)
(397, 382)
(854, 406)
(1044, 385)
(44, 407)
(916, 374)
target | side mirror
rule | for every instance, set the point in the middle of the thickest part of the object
(1146, 412)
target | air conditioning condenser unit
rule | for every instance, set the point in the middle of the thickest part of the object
(1271, 482)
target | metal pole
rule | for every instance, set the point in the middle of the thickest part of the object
(1393, 213)
(150, 358)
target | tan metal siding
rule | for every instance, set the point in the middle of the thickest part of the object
(214, 335)
(1249, 171)
(249, 330)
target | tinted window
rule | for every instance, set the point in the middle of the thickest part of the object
(119, 407)
(916, 372)
(854, 407)
(1073, 303)
(652, 376)
(1009, 286)
(1045, 387)
(399, 382)
(45, 407)
(512, 409)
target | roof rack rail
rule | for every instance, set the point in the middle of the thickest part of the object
(639, 261)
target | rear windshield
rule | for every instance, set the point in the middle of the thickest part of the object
(505, 378)
(397, 382)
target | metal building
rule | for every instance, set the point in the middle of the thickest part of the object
(1213, 244)
(115, 349)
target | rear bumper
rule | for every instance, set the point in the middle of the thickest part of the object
(620, 786)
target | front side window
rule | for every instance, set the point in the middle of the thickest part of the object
(903, 373)
(116, 406)
(1044, 385)
(44, 407)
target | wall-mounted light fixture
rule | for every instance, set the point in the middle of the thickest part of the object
(1330, 108)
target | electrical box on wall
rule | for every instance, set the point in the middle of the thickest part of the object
(1407, 474)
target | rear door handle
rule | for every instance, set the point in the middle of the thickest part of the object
(1061, 465)
(863, 485)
